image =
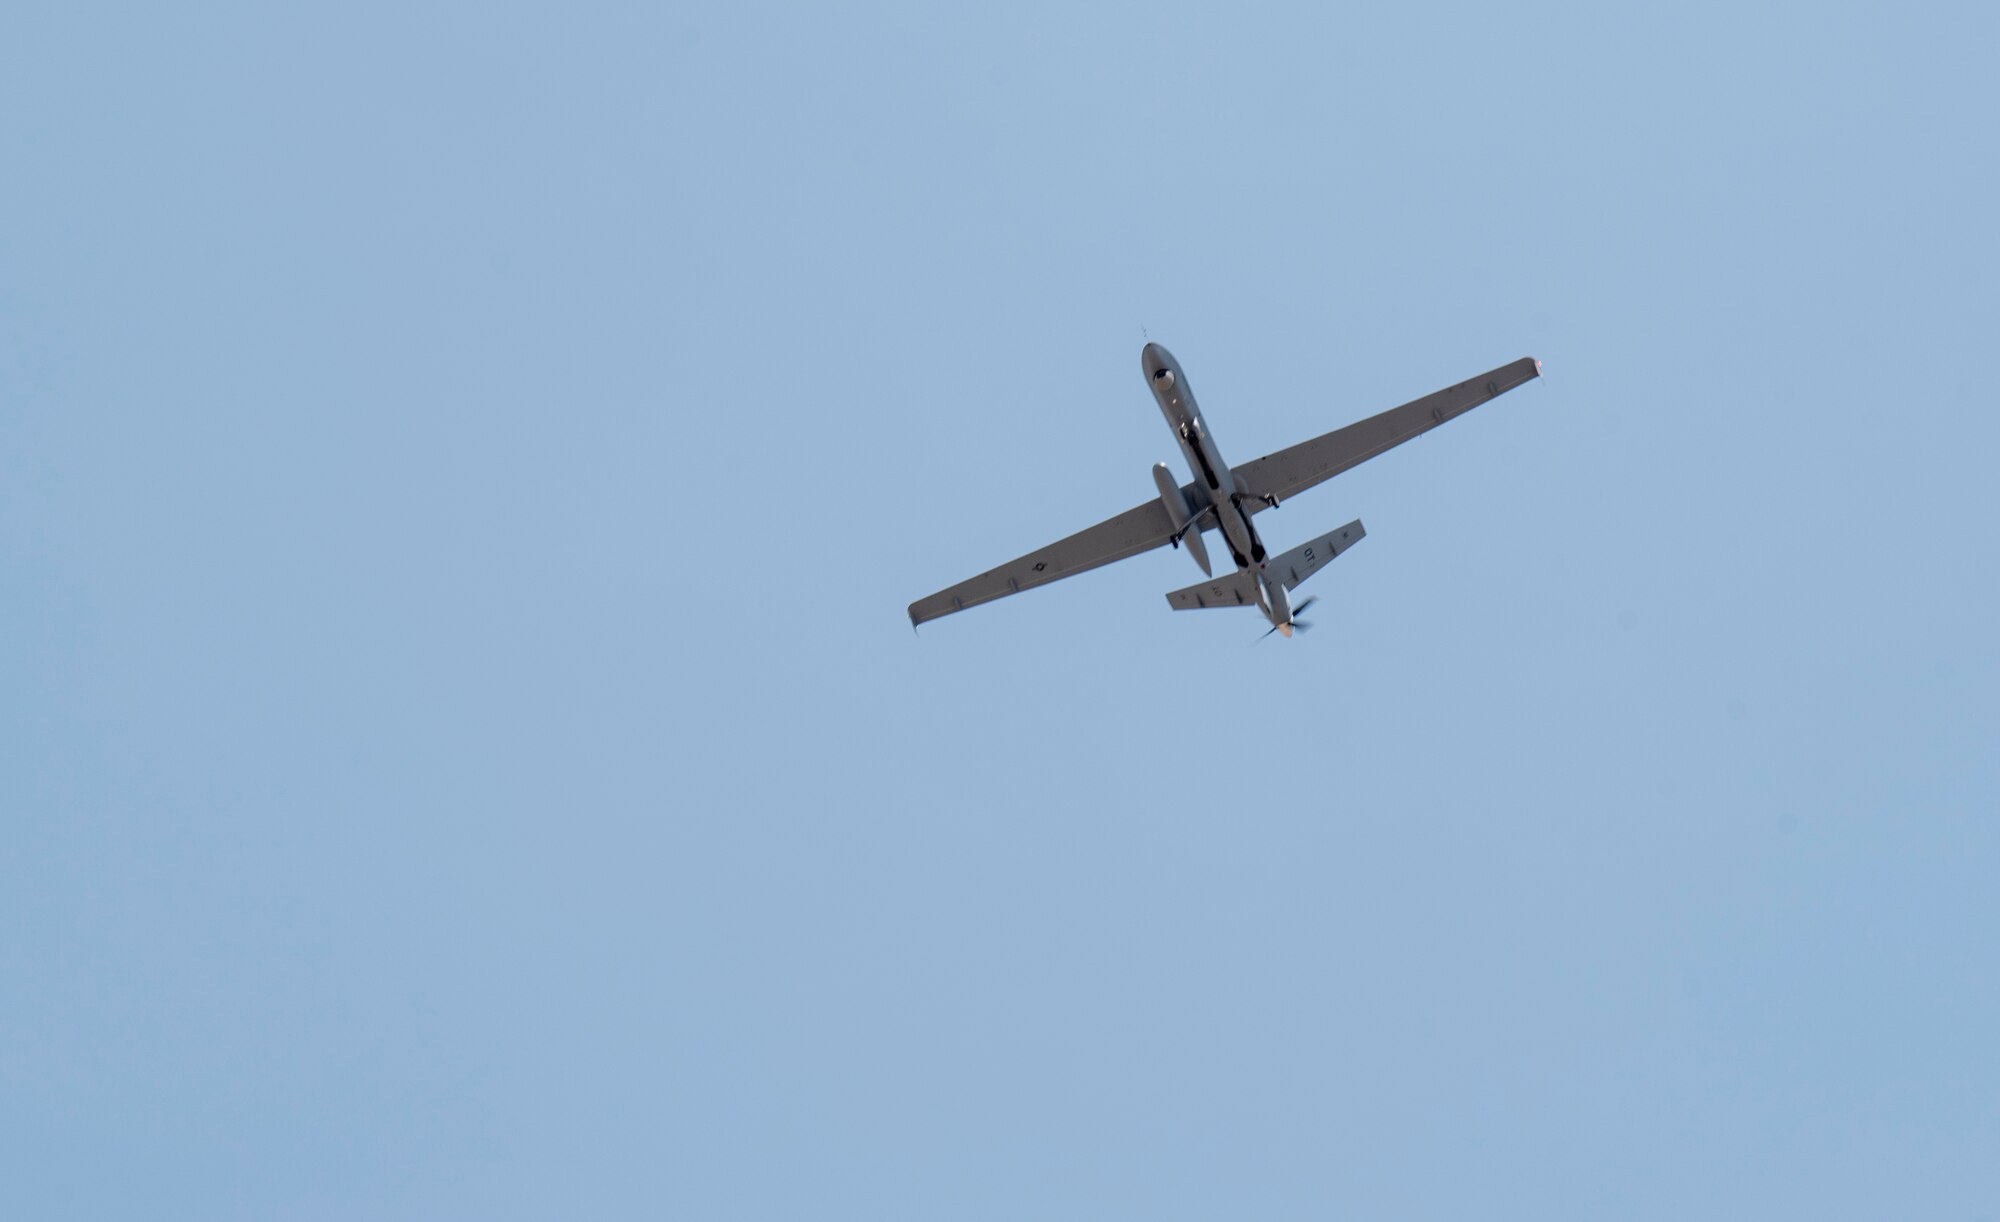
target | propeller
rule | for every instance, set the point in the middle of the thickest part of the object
(1297, 623)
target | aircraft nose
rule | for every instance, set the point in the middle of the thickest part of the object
(1158, 364)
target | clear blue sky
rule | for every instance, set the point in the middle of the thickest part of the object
(462, 754)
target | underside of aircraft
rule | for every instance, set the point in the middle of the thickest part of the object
(1226, 500)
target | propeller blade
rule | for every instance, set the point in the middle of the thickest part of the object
(1295, 621)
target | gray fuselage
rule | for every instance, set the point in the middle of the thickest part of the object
(1176, 399)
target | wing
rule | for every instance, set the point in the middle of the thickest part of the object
(1292, 471)
(1139, 529)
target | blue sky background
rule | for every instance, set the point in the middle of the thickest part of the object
(462, 469)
